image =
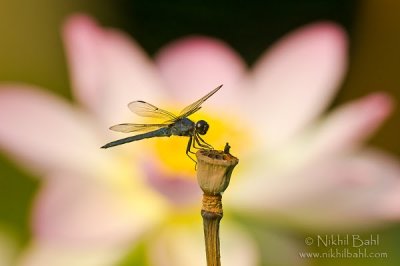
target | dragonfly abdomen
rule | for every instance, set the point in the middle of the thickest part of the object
(162, 132)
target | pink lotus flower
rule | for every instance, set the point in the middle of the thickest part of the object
(295, 165)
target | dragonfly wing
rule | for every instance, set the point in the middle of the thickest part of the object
(127, 127)
(188, 110)
(145, 109)
(191, 111)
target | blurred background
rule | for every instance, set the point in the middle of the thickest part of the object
(31, 52)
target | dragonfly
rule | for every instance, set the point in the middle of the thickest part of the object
(173, 125)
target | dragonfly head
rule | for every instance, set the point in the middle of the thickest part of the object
(202, 127)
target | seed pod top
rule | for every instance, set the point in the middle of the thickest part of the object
(214, 170)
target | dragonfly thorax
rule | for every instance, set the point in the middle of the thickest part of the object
(202, 127)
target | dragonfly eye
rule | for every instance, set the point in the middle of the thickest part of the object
(202, 127)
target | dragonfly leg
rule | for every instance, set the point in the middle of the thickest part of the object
(202, 143)
(196, 140)
(190, 144)
(189, 151)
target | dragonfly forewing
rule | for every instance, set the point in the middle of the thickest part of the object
(190, 109)
(146, 109)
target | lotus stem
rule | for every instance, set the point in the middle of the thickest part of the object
(214, 171)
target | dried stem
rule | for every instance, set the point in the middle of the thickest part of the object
(212, 215)
(213, 175)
